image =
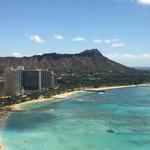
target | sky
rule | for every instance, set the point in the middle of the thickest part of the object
(120, 29)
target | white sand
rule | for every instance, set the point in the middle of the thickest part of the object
(62, 96)
(67, 94)
(2, 119)
(53, 98)
(1, 146)
(108, 87)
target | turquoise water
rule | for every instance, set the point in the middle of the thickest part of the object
(81, 123)
(48, 102)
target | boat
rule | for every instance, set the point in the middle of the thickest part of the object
(110, 128)
(101, 92)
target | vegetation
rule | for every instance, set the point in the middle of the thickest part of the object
(86, 69)
(72, 80)
(97, 79)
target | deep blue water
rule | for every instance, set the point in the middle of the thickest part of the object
(81, 123)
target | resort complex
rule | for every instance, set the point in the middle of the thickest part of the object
(20, 80)
(75, 75)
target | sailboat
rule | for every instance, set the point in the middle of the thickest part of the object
(110, 128)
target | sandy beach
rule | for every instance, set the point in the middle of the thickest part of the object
(61, 96)
(1, 145)
(52, 98)
(3, 117)
(108, 88)
(66, 95)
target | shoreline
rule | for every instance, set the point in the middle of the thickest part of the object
(109, 88)
(54, 98)
(2, 147)
(3, 117)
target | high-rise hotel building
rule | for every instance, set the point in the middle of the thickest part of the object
(17, 81)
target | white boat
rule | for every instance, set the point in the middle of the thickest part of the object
(110, 128)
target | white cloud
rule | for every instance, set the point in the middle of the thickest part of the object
(58, 37)
(16, 54)
(131, 59)
(97, 41)
(129, 56)
(114, 43)
(37, 38)
(110, 41)
(107, 41)
(144, 2)
(78, 39)
(117, 45)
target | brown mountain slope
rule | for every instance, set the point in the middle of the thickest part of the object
(88, 60)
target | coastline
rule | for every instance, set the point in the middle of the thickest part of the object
(17, 107)
(3, 117)
(54, 98)
(109, 88)
(2, 147)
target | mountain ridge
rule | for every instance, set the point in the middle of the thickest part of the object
(88, 60)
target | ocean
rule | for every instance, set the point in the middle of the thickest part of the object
(80, 123)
